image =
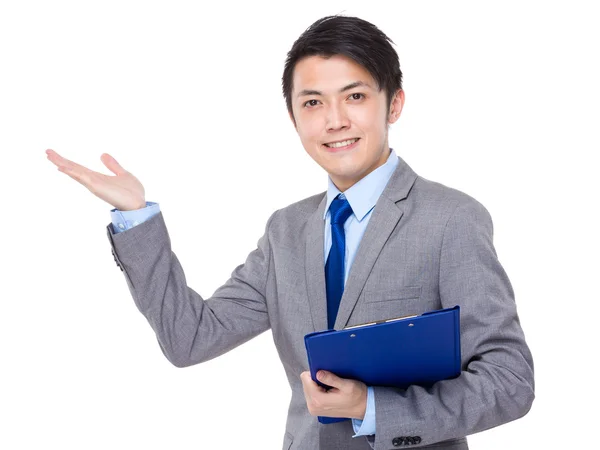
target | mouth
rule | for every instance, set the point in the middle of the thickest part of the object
(341, 145)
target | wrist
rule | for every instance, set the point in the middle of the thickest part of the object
(362, 407)
(139, 206)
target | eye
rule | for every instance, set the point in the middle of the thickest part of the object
(312, 104)
(357, 93)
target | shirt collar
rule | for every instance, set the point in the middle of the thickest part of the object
(363, 195)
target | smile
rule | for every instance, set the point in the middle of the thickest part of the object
(342, 144)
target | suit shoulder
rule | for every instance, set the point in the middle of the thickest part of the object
(302, 208)
(433, 194)
(293, 217)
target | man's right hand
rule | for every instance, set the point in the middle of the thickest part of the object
(123, 191)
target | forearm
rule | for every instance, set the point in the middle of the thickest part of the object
(483, 396)
(190, 329)
(496, 384)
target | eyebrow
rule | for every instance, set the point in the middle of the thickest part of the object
(344, 89)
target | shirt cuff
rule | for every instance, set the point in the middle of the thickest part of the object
(124, 220)
(367, 425)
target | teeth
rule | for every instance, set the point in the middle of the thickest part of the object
(342, 144)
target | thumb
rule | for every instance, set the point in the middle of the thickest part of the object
(329, 378)
(112, 164)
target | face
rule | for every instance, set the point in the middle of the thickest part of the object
(336, 100)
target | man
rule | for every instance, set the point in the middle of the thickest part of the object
(396, 244)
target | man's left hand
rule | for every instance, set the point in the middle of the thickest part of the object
(346, 398)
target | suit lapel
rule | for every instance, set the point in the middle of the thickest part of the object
(315, 267)
(385, 216)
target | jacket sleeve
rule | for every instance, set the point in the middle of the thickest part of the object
(496, 384)
(190, 329)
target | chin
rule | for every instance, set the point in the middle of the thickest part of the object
(345, 176)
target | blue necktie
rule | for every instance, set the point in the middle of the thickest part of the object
(340, 210)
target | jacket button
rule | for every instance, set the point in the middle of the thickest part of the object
(417, 439)
(400, 440)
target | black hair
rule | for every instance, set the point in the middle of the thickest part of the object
(354, 38)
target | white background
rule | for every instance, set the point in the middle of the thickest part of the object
(502, 102)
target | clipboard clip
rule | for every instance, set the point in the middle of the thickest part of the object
(380, 321)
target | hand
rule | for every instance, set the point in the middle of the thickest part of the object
(123, 191)
(346, 398)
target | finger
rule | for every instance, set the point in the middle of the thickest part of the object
(329, 378)
(66, 163)
(310, 386)
(305, 378)
(73, 174)
(53, 156)
(56, 158)
(112, 164)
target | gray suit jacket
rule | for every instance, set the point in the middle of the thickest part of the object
(426, 247)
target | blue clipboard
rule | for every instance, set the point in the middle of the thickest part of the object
(398, 352)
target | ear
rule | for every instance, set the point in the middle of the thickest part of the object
(396, 106)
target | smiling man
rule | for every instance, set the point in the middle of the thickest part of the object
(428, 247)
(379, 242)
(342, 116)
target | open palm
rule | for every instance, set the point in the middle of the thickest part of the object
(123, 190)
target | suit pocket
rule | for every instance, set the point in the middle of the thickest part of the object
(384, 295)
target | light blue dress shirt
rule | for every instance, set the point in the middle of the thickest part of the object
(362, 197)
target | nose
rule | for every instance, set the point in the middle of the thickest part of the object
(337, 119)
